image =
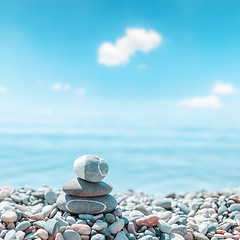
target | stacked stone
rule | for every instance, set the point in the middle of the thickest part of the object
(87, 194)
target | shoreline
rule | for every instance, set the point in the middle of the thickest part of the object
(28, 213)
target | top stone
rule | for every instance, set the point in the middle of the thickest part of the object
(91, 168)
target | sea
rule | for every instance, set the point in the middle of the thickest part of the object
(154, 160)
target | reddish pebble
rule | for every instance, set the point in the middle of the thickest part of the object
(30, 230)
(117, 212)
(82, 229)
(220, 231)
(236, 232)
(10, 226)
(37, 216)
(235, 200)
(148, 221)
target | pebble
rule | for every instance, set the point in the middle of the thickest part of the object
(72, 204)
(135, 214)
(91, 168)
(180, 229)
(51, 226)
(71, 220)
(9, 217)
(82, 188)
(4, 194)
(110, 218)
(164, 227)
(61, 222)
(183, 208)
(121, 236)
(20, 235)
(199, 236)
(81, 229)
(98, 237)
(234, 207)
(99, 225)
(175, 236)
(117, 226)
(10, 235)
(50, 197)
(71, 235)
(141, 208)
(22, 226)
(43, 234)
(148, 221)
(164, 203)
(131, 228)
(59, 236)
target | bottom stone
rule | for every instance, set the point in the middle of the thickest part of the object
(84, 205)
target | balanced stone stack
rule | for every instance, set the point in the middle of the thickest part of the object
(87, 194)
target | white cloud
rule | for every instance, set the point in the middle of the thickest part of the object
(61, 87)
(136, 39)
(201, 102)
(225, 88)
(3, 90)
(80, 91)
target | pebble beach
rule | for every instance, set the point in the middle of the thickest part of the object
(28, 213)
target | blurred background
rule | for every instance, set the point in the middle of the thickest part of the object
(153, 87)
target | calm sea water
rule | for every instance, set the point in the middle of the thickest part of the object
(156, 161)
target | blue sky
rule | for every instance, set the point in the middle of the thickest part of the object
(166, 63)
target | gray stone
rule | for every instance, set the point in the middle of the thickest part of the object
(106, 232)
(86, 217)
(82, 188)
(121, 236)
(234, 207)
(38, 194)
(183, 208)
(61, 222)
(180, 229)
(110, 218)
(91, 168)
(37, 208)
(39, 224)
(50, 197)
(141, 208)
(135, 214)
(94, 205)
(22, 226)
(98, 237)
(71, 235)
(71, 220)
(222, 209)
(16, 198)
(10, 235)
(165, 203)
(51, 226)
(47, 210)
(164, 227)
